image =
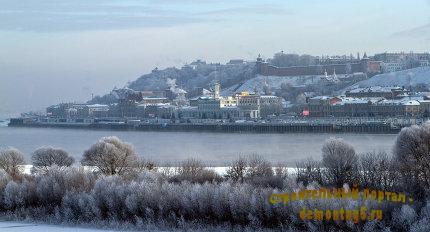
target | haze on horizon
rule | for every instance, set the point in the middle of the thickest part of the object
(58, 51)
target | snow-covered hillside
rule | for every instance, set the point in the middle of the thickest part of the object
(273, 82)
(204, 75)
(408, 77)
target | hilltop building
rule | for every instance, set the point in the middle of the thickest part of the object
(344, 66)
(394, 62)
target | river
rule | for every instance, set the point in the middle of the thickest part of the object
(216, 149)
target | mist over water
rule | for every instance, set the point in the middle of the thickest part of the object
(215, 149)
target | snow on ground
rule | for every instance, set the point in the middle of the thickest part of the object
(11, 226)
(223, 170)
(219, 170)
(405, 78)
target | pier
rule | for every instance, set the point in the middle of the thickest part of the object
(308, 125)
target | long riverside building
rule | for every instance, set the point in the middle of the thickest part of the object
(299, 126)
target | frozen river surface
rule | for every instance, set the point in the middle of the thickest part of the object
(216, 149)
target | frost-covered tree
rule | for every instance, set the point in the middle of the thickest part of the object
(340, 162)
(258, 166)
(377, 171)
(194, 170)
(111, 156)
(237, 170)
(412, 154)
(11, 161)
(308, 171)
(45, 157)
(260, 173)
(191, 167)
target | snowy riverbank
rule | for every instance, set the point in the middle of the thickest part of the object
(12, 226)
(219, 170)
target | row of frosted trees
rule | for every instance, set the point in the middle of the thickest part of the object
(113, 187)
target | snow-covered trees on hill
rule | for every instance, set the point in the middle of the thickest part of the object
(187, 78)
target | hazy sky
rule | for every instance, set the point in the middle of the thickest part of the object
(56, 51)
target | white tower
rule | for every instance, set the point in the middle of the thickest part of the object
(217, 90)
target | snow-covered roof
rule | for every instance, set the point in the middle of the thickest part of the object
(165, 106)
(229, 107)
(354, 100)
(404, 101)
(412, 103)
(380, 89)
(157, 104)
(268, 96)
(351, 100)
(408, 98)
(322, 97)
(97, 105)
(206, 92)
(154, 98)
(309, 94)
(204, 98)
(189, 108)
(180, 91)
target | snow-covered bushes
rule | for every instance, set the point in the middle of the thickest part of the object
(256, 171)
(79, 206)
(52, 186)
(126, 195)
(71, 195)
(194, 171)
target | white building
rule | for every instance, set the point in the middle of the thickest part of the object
(393, 66)
(248, 105)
